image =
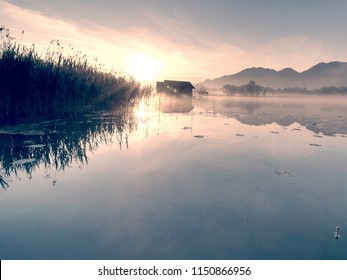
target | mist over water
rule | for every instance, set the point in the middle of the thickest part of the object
(319, 113)
(202, 177)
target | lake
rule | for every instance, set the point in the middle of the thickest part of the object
(208, 177)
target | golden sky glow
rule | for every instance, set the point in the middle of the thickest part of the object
(185, 40)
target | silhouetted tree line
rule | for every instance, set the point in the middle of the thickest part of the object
(252, 89)
(333, 90)
(249, 89)
(322, 90)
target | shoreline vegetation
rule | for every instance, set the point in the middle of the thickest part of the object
(57, 82)
(253, 89)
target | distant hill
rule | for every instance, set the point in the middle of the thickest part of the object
(320, 75)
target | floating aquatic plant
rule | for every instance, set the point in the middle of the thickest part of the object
(337, 233)
(36, 146)
(24, 161)
(315, 145)
(283, 173)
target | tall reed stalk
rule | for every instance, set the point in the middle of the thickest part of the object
(57, 82)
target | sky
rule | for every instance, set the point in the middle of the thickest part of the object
(186, 39)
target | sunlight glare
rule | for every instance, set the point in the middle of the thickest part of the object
(140, 112)
(143, 67)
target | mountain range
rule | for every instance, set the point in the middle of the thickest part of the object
(321, 75)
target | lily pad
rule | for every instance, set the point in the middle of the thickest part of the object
(24, 161)
(315, 145)
(36, 146)
(283, 173)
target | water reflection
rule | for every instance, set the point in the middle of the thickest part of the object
(58, 144)
(320, 114)
(169, 183)
(170, 103)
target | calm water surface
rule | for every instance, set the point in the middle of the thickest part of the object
(192, 178)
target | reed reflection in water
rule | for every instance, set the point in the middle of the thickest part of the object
(58, 144)
(187, 187)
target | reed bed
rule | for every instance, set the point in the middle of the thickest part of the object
(56, 82)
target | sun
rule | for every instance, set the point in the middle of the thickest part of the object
(143, 67)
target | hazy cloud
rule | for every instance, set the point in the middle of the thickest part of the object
(201, 39)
